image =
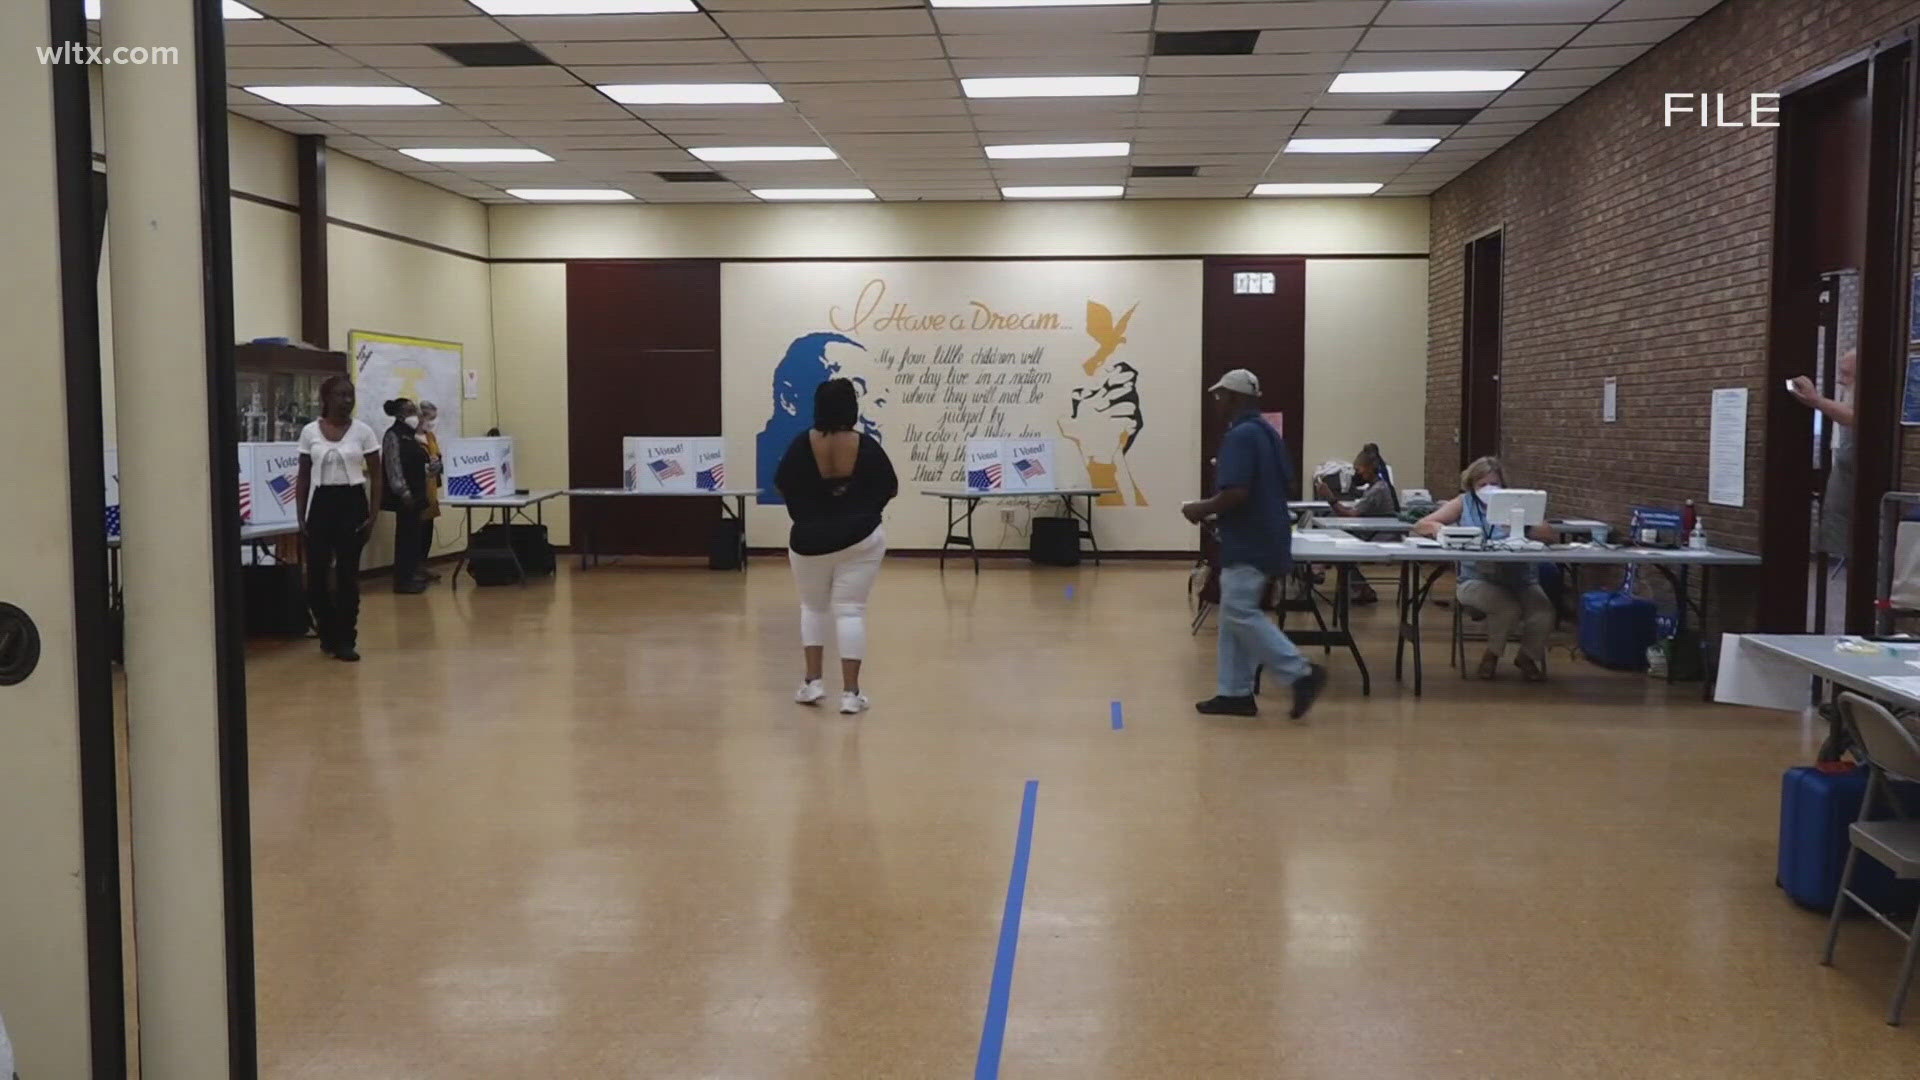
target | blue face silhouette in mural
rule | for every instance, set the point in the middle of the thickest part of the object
(799, 374)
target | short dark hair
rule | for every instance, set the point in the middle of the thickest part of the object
(397, 406)
(836, 406)
(331, 381)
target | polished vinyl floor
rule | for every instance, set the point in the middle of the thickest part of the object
(578, 829)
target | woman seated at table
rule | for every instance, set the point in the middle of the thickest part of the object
(1375, 495)
(1505, 592)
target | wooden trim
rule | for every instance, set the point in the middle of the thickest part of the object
(248, 196)
(229, 617)
(961, 258)
(78, 208)
(428, 244)
(310, 161)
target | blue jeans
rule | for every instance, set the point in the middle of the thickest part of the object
(1249, 638)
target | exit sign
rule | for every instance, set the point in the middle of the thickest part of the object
(1253, 283)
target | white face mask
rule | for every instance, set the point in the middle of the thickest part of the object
(426, 425)
(1485, 490)
(412, 421)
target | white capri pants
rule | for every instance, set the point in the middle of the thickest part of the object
(833, 590)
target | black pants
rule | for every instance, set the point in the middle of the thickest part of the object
(408, 543)
(334, 539)
(426, 541)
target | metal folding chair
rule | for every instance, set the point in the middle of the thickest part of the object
(1892, 752)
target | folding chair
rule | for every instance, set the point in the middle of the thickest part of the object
(1892, 751)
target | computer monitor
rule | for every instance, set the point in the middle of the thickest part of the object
(1501, 505)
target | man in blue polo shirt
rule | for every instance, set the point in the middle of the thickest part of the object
(1256, 545)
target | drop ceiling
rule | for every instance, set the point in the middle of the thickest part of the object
(878, 81)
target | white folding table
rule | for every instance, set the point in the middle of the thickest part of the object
(583, 534)
(962, 502)
(501, 510)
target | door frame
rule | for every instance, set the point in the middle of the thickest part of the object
(1465, 438)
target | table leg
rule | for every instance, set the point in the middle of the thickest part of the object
(1343, 625)
(1416, 599)
(740, 515)
(972, 505)
(467, 549)
(1087, 535)
(506, 530)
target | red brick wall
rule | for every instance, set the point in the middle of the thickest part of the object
(1639, 252)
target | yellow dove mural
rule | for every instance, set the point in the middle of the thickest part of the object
(1104, 418)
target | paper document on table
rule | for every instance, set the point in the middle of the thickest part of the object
(1754, 677)
(1904, 684)
(1422, 542)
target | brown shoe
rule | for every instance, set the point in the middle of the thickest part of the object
(1489, 664)
(1530, 669)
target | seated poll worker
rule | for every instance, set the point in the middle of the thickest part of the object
(1376, 497)
(1505, 592)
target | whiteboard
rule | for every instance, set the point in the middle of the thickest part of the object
(387, 366)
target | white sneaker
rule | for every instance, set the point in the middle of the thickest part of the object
(850, 704)
(810, 693)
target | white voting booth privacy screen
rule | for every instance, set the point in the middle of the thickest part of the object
(478, 468)
(113, 493)
(673, 463)
(269, 483)
(1011, 465)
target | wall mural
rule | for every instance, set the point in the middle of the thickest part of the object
(1101, 356)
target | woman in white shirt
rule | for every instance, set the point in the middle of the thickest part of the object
(339, 459)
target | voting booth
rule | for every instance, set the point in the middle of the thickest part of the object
(1011, 465)
(679, 463)
(269, 483)
(478, 468)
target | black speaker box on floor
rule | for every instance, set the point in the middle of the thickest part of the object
(1055, 541)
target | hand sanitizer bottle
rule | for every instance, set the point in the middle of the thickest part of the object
(1697, 540)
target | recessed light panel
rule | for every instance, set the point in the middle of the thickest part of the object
(692, 93)
(1018, 151)
(229, 9)
(1423, 82)
(570, 194)
(851, 194)
(585, 7)
(1361, 146)
(476, 153)
(1316, 189)
(763, 153)
(1064, 191)
(342, 95)
(1043, 86)
(1034, 3)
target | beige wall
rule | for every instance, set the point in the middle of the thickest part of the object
(918, 230)
(370, 195)
(1367, 362)
(1366, 318)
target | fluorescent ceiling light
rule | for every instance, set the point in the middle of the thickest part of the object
(763, 153)
(476, 153)
(1064, 191)
(1015, 151)
(1316, 189)
(1033, 3)
(824, 194)
(1052, 86)
(584, 7)
(230, 9)
(1423, 82)
(570, 194)
(1361, 146)
(692, 93)
(342, 95)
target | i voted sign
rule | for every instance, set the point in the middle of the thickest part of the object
(269, 483)
(478, 468)
(677, 464)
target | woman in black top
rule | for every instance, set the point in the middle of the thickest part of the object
(836, 481)
(406, 464)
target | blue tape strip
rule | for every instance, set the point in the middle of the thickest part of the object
(1117, 722)
(993, 1035)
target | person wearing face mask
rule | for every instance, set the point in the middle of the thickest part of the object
(1506, 592)
(405, 461)
(436, 469)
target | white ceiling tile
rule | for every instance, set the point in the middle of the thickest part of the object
(620, 54)
(1543, 36)
(1286, 15)
(612, 27)
(808, 94)
(1613, 56)
(385, 56)
(1508, 130)
(402, 31)
(1549, 80)
(883, 22)
(782, 73)
(1541, 97)
(1042, 65)
(842, 124)
(602, 110)
(1660, 9)
(1337, 39)
(920, 47)
(1407, 101)
(522, 95)
(1630, 33)
(1373, 131)
(429, 78)
(1045, 21)
(297, 9)
(1009, 46)
(1452, 60)
(575, 129)
(351, 76)
(263, 32)
(1516, 114)
(294, 56)
(1490, 12)
(1257, 64)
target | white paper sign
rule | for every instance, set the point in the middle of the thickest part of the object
(389, 366)
(652, 463)
(1727, 449)
(1029, 465)
(113, 493)
(986, 465)
(472, 388)
(478, 468)
(269, 483)
(1610, 401)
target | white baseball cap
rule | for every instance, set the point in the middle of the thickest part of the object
(1240, 381)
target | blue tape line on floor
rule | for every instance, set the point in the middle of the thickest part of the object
(993, 1035)
(1117, 722)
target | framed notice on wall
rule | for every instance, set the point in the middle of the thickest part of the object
(389, 366)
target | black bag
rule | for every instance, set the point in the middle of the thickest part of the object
(1055, 541)
(493, 551)
(275, 600)
(727, 550)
